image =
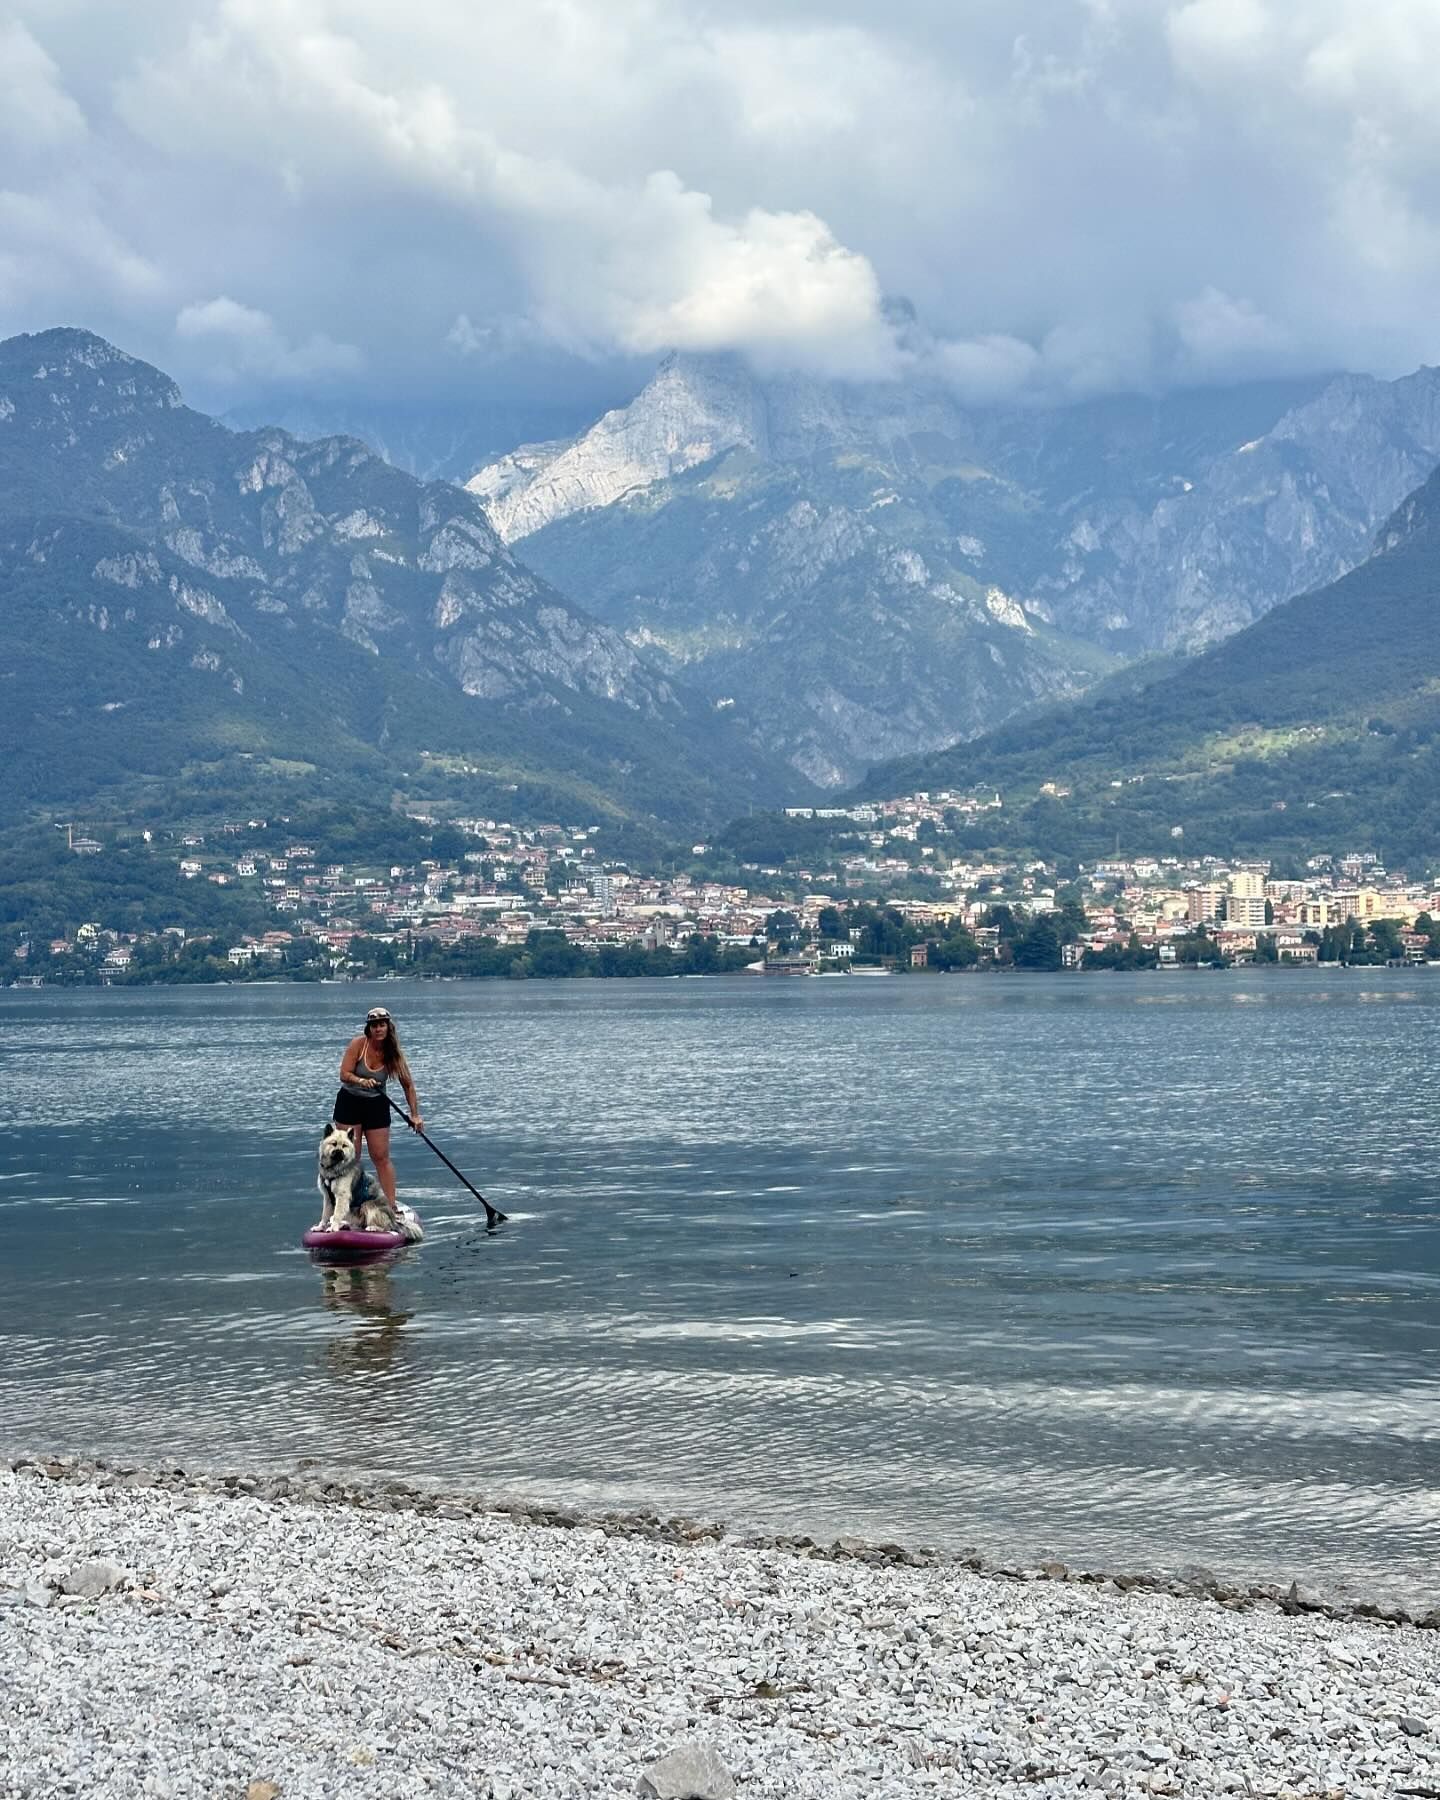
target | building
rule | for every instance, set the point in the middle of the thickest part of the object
(1245, 903)
(1203, 903)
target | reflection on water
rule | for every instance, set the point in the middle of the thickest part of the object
(363, 1299)
(1129, 1269)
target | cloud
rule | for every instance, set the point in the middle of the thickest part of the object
(247, 342)
(1108, 192)
(35, 110)
(53, 246)
(1214, 328)
(988, 368)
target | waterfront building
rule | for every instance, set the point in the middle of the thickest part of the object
(1203, 903)
(1245, 903)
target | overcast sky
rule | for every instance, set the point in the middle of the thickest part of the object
(363, 198)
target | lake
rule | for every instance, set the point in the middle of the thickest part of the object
(1137, 1270)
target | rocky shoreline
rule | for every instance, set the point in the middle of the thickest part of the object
(1332, 1600)
(174, 1632)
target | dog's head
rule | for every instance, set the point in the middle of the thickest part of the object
(337, 1151)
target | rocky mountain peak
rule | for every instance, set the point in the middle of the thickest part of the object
(692, 410)
(876, 564)
(73, 368)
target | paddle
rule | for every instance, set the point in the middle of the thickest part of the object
(493, 1215)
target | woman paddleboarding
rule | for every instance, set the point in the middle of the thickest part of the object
(362, 1103)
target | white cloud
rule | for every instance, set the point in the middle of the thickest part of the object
(639, 265)
(1220, 36)
(988, 368)
(1110, 192)
(1215, 327)
(464, 337)
(247, 342)
(53, 246)
(36, 113)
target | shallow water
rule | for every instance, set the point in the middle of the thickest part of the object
(1138, 1270)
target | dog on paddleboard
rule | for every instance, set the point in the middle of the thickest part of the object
(353, 1199)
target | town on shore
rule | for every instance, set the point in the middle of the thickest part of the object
(543, 900)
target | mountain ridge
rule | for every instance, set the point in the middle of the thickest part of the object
(1318, 722)
(794, 539)
(258, 549)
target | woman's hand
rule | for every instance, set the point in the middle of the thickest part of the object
(416, 1122)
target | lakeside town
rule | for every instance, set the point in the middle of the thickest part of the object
(858, 911)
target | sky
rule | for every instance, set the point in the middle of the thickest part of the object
(358, 201)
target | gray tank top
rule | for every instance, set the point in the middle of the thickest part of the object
(380, 1076)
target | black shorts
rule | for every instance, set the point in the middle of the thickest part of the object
(369, 1111)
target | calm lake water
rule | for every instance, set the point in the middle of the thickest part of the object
(1137, 1270)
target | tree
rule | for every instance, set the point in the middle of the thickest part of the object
(1039, 948)
(1385, 935)
(1070, 918)
(957, 951)
(1133, 955)
(783, 927)
(551, 954)
(831, 923)
(448, 844)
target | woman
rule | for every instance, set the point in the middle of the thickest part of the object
(368, 1063)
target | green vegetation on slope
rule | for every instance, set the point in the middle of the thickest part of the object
(1318, 724)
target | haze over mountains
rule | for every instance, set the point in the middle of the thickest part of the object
(877, 569)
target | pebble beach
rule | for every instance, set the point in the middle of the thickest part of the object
(241, 1637)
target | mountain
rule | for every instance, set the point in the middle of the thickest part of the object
(248, 607)
(879, 568)
(763, 539)
(1316, 728)
(439, 441)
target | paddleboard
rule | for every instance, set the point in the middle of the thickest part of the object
(352, 1246)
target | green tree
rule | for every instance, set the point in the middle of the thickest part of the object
(1132, 955)
(958, 950)
(783, 927)
(1039, 948)
(831, 923)
(551, 955)
(1069, 915)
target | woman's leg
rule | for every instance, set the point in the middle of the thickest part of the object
(378, 1138)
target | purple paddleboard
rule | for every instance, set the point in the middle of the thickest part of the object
(351, 1246)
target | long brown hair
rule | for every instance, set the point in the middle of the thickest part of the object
(391, 1054)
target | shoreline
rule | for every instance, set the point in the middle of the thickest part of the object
(222, 1636)
(1292, 1595)
(21, 984)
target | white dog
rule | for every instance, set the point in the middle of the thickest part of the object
(353, 1198)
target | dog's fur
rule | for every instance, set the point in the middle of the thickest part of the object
(353, 1198)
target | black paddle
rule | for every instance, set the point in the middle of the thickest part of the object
(493, 1215)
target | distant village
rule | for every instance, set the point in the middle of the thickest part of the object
(519, 880)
